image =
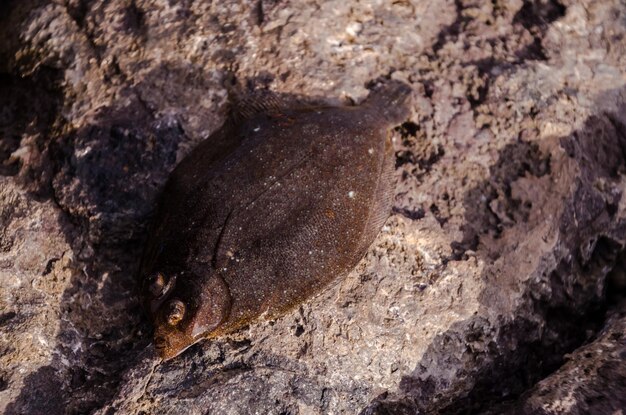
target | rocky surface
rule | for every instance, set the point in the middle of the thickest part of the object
(592, 381)
(495, 283)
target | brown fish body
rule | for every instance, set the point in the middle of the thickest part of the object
(267, 213)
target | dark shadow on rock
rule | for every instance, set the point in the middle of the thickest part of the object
(105, 177)
(44, 394)
(27, 122)
(479, 363)
(516, 160)
(536, 16)
(110, 171)
(592, 381)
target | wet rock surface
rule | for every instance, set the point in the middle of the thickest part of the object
(495, 286)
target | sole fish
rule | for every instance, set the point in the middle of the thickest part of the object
(267, 212)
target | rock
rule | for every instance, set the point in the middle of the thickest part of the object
(489, 276)
(592, 380)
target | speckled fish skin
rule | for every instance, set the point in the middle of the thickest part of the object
(266, 213)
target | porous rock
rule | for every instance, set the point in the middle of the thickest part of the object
(489, 275)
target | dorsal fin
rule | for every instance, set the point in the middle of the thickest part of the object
(255, 103)
(247, 102)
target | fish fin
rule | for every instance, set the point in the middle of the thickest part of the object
(247, 103)
(249, 100)
(391, 99)
(382, 199)
(256, 103)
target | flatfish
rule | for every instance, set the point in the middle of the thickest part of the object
(267, 212)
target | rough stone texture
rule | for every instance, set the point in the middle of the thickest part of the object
(491, 272)
(592, 381)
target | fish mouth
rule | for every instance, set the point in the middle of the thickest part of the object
(169, 345)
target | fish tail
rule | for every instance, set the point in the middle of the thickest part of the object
(391, 99)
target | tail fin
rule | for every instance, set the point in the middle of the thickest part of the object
(392, 99)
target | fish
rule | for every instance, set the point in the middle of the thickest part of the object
(269, 210)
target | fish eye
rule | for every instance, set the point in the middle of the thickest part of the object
(157, 284)
(175, 312)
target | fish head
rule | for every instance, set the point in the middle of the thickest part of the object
(184, 309)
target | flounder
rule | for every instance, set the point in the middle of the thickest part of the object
(267, 212)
